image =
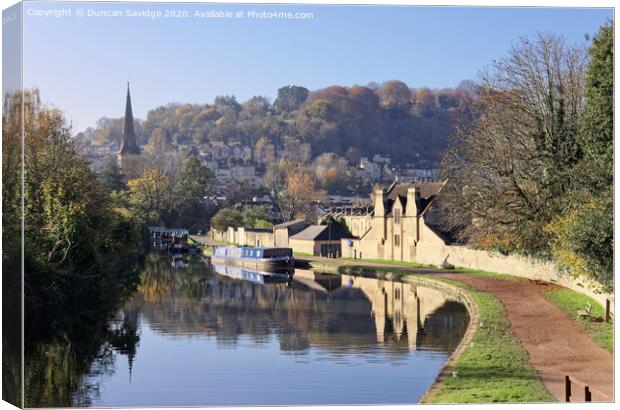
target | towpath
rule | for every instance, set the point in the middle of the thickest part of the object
(556, 345)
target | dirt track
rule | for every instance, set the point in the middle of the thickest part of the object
(556, 345)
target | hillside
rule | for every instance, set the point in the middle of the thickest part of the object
(408, 125)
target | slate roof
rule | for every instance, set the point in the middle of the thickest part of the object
(289, 223)
(258, 230)
(321, 233)
(428, 192)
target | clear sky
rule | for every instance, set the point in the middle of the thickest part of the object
(82, 63)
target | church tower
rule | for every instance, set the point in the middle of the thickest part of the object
(129, 145)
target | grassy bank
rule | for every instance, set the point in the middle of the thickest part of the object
(494, 367)
(570, 302)
(485, 273)
(389, 262)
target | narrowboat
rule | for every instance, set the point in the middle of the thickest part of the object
(253, 276)
(254, 258)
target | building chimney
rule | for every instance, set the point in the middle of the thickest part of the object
(379, 206)
(413, 198)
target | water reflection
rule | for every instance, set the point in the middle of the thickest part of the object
(196, 334)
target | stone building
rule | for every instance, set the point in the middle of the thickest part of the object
(397, 225)
(319, 240)
(254, 237)
(284, 231)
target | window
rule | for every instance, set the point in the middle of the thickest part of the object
(397, 216)
(396, 294)
(396, 240)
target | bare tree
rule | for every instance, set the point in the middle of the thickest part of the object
(295, 190)
(508, 170)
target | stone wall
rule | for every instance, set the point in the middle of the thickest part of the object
(433, 251)
(304, 246)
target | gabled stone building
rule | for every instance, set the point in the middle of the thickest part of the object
(399, 222)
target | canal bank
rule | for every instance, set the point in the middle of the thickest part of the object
(489, 364)
(506, 359)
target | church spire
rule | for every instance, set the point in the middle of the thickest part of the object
(129, 146)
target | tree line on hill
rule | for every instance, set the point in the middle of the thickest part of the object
(534, 173)
(390, 119)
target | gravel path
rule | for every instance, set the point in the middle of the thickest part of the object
(556, 345)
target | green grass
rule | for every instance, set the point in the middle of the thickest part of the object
(391, 262)
(570, 301)
(224, 243)
(494, 367)
(486, 273)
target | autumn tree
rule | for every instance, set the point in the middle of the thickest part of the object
(395, 95)
(160, 142)
(333, 172)
(264, 151)
(152, 196)
(75, 242)
(295, 189)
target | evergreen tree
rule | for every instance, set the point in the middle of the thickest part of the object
(584, 232)
(111, 177)
(596, 133)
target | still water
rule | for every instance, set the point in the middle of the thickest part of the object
(194, 334)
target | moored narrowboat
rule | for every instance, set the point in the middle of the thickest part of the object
(254, 276)
(256, 258)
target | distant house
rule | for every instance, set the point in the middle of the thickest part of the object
(319, 240)
(369, 169)
(381, 159)
(284, 231)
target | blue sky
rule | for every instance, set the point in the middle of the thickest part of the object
(81, 65)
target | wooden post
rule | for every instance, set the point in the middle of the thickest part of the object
(567, 389)
(588, 394)
(607, 310)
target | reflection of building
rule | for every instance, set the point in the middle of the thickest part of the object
(403, 307)
(123, 333)
(326, 311)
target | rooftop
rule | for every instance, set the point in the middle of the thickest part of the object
(321, 233)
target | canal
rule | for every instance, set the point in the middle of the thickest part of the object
(193, 334)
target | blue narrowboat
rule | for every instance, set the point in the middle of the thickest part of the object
(255, 258)
(254, 276)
